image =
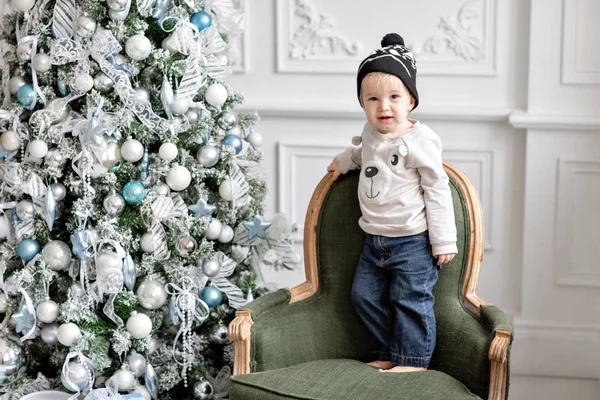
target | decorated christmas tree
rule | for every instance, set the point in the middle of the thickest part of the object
(132, 198)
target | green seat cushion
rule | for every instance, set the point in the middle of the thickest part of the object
(345, 379)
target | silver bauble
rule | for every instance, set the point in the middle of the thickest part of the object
(211, 268)
(152, 346)
(57, 255)
(138, 47)
(76, 290)
(25, 210)
(203, 390)
(125, 379)
(141, 94)
(219, 334)
(255, 139)
(208, 155)
(136, 363)
(108, 261)
(41, 62)
(151, 294)
(117, 5)
(162, 189)
(227, 120)
(76, 378)
(186, 246)
(103, 83)
(59, 191)
(15, 83)
(49, 334)
(54, 158)
(85, 27)
(12, 358)
(114, 204)
(3, 303)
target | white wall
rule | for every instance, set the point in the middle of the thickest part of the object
(515, 97)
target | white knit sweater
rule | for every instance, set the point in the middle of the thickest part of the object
(403, 188)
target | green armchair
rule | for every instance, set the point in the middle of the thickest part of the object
(308, 343)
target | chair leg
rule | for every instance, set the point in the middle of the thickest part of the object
(498, 354)
(239, 334)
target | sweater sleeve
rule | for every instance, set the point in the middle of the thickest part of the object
(425, 154)
(349, 159)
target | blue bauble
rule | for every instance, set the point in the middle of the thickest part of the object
(26, 94)
(211, 296)
(63, 89)
(28, 248)
(234, 141)
(134, 192)
(201, 19)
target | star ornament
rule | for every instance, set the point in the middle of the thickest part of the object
(23, 320)
(202, 208)
(257, 228)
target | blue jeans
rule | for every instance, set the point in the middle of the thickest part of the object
(392, 294)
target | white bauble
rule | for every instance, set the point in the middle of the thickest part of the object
(108, 261)
(111, 157)
(47, 311)
(139, 325)
(226, 235)
(83, 82)
(117, 5)
(37, 148)
(192, 115)
(76, 378)
(141, 389)
(147, 243)
(211, 268)
(141, 95)
(125, 379)
(214, 229)
(226, 189)
(10, 141)
(4, 224)
(255, 139)
(138, 47)
(181, 105)
(15, 83)
(68, 334)
(167, 44)
(132, 150)
(23, 5)
(179, 178)
(25, 210)
(216, 95)
(57, 255)
(41, 62)
(151, 294)
(168, 151)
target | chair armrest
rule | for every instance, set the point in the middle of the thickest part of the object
(496, 319)
(499, 323)
(240, 327)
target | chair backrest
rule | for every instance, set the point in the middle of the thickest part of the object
(333, 244)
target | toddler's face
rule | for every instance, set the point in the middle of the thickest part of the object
(387, 103)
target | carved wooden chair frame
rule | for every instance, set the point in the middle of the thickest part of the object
(239, 329)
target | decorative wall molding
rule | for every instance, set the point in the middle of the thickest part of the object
(314, 108)
(576, 236)
(307, 41)
(580, 16)
(524, 120)
(290, 158)
(482, 161)
(239, 51)
(556, 349)
(465, 45)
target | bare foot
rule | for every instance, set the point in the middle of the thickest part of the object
(382, 365)
(400, 368)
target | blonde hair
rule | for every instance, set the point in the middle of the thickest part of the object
(380, 80)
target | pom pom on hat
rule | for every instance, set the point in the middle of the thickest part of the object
(392, 39)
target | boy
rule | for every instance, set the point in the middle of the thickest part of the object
(407, 211)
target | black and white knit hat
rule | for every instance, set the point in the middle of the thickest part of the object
(393, 58)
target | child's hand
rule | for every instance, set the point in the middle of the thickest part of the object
(335, 168)
(444, 258)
